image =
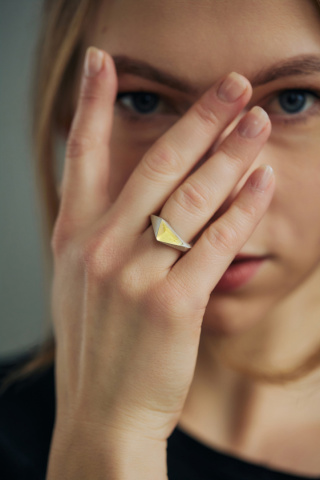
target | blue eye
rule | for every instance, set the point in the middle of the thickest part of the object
(142, 103)
(293, 101)
(293, 105)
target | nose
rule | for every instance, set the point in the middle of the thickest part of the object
(214, 147)
(227, 132)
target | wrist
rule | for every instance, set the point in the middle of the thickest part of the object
(88, 454)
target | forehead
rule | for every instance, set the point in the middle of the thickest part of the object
(204, 39)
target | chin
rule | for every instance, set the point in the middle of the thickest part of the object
(229, 315)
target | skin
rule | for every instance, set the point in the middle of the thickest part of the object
(274, 311)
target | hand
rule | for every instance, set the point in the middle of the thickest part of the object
(128, 310)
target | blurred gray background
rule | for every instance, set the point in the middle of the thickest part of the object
(23, 296)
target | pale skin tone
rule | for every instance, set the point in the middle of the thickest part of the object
(128, 299)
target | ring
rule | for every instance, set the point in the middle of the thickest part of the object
(164, 233)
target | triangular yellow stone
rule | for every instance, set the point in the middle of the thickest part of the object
(166, 235)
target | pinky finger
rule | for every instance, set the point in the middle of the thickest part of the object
(203, 266)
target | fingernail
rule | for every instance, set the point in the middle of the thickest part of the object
(93, 61)
(232, 87)
(263, 176)
(253, 123)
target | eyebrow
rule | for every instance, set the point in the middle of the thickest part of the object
(140, 68)
(300, 65)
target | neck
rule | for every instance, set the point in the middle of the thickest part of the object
(235, 411)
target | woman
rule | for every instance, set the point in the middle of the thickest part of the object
(200, 363)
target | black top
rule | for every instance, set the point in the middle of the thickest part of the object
(27, 410)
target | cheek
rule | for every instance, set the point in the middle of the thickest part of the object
(297, 200)
(293, 217)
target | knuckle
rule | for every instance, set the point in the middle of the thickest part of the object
(88, 95)
(93, 260)
(222, 237)
(161, 160)
(130, 283)
(206, 114)
(177, 294)
(232, 154)
(79, 144)
(58, 243)
(246, 210)
(192, 197)
(100, 257)
(61, 237)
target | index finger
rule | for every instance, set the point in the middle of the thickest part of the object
(85, 178)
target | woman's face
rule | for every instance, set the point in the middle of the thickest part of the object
(276, 45)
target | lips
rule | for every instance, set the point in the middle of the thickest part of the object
(242, 269)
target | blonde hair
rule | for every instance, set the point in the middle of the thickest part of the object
(59, 58)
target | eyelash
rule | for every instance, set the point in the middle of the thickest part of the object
(167, 104)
